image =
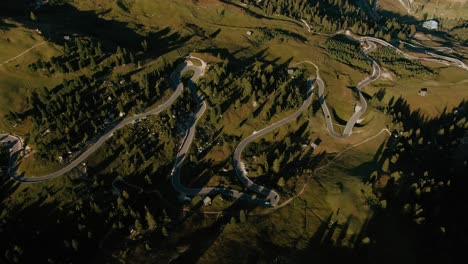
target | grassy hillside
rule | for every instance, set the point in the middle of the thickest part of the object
(452, 14)
(62, 93)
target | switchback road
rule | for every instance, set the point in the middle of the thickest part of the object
(371, 45)
(271, 197)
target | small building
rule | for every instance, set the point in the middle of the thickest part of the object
(431, 24)
(423, 92)
(316, 143)
(249, 33)
(207, 201)
(293, 72)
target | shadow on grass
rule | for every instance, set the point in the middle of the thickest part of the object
(429, 153)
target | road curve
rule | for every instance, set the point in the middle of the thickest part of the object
(271, 197)
(357, 115)
(449, 61)
(17, 145)
(371, 45)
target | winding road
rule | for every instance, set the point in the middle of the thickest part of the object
(449, 61)
(271, 197)
(357, 115)
(371, 45)
(16, 144)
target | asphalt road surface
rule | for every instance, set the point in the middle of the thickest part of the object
(371, 45)
(17, 145)
(357, 115)
(271, 197)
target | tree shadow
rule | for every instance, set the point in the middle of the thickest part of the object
(324, 247)
(422, 154)
(210, 234)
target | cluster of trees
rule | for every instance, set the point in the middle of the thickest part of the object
(271, 160)
(183, 110)
(138, 217)
(423, 179)
(77, 110)
(82, 216)
(265, 34)
(72, 226)
(326, 13)
(348, 52)
(143, 151)
(256, 83)
(85, 53)
(80, 219)
(401, 66)
(77, 55)
(123, 57)
(333, 15)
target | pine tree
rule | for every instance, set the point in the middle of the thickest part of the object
(66, 48)
(164, 232)
(242, 217)
(33, 16)
(152, 225)
(138, 225)
(92, 62)
(281, 182)
(144, 45)
(75, 245)
(276, 166)
(69, 66)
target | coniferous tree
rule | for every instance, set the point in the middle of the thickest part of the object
(33, 16)
(152, 225)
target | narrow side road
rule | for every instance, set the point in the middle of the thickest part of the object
(23, 53)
